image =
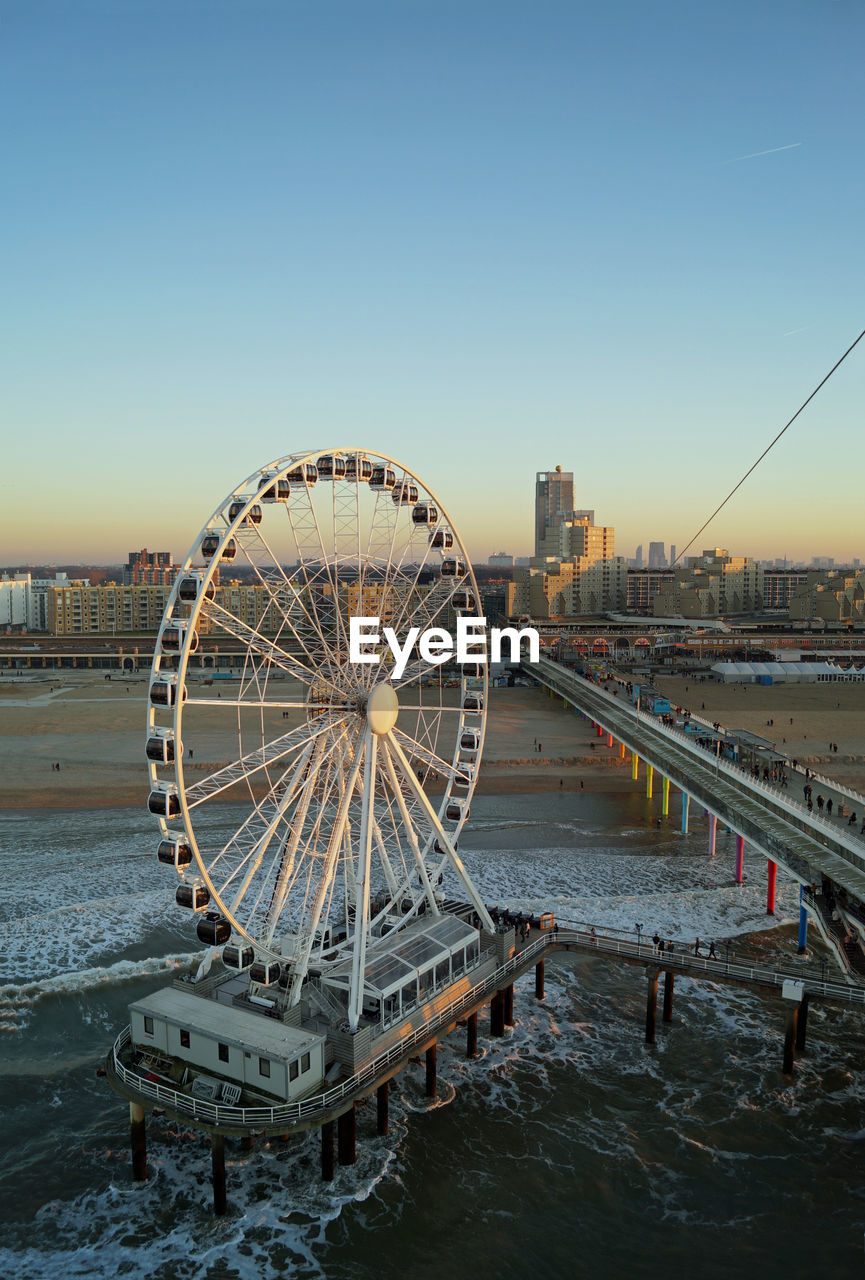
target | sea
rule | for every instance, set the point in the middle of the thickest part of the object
(567, 1148)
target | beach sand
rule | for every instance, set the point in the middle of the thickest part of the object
(95, 730)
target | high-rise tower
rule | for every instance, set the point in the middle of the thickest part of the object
(554, 500)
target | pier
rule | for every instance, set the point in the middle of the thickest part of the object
(797, 986)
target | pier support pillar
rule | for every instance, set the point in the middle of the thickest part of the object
(327, 1163)
(635, 766)
(609, 739)
(665, 796)
(803, 923)
(740, 859)
(138, 1137)
(622, 750)
(599, 731)
(651, 1006)
(650, 774)
(668, 996)
(713, 833)
(431, 1088)
(686, 805)
(508, 995)
(802, 1024)
(346, 1136)
(772, 869)
(217, 1165)
(382, 1119)
(472, 1035)
(539, 980)
(497, 1014)
(790, 1040)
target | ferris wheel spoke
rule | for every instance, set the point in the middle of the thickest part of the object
(307, 935)
(256, 853)
(409, 598)
(258, 645)
(248, 765)
(444, 839)
(411, 833)
(361, 913)
(429, 757)
(278, 585)
(288, 855)
(329, 561)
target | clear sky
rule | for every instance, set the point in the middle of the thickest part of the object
(484, 237)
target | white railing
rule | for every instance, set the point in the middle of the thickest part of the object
(586, 936)
(309, 1108)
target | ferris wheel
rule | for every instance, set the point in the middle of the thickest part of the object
(311, 805)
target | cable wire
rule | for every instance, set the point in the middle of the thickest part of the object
(769, 447)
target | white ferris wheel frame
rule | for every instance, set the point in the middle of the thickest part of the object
(357, 761)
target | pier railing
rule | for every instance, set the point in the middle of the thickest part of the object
(568, 683)
(571, 935)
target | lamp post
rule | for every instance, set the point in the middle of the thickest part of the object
(639, 930)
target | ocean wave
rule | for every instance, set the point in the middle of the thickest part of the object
(18, 1000)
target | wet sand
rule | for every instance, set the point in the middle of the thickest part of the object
(95, 730)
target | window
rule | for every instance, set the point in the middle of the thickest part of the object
(264, 1066)
(148, 1026)
(304, 1062)
(223, 1053)
(184, 1039)
(293, 1071)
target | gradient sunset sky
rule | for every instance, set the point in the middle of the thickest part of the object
(486, 238)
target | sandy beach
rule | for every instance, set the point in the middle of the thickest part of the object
(95, 730)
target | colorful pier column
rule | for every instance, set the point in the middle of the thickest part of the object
(650, 773)
(713, 833)
(665, 796)
(772, 868)
(686, 805)
(740, 859)
(609, 739)
(803, 922)
(635, 765)
(599, 731)
(622, 750)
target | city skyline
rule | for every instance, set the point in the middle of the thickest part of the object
(486, 242)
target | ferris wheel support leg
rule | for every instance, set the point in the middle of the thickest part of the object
(410, 832)
(138, 1138)
(455, 860)
(361, 918)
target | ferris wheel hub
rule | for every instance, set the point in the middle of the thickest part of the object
(382, 709)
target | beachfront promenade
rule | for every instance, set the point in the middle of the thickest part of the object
(764, 818)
